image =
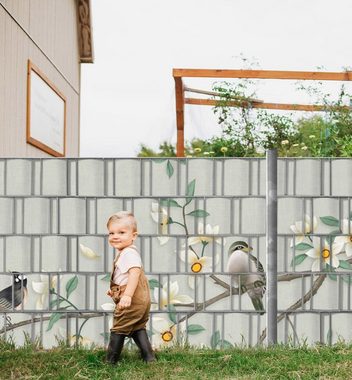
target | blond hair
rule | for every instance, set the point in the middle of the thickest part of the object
(125, 216)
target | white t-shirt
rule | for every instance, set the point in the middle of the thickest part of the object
(129, 258)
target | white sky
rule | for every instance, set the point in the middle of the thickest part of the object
(128, 93)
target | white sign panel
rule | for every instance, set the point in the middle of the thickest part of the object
(46, 121)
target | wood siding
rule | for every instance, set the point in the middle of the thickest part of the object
(46, 33)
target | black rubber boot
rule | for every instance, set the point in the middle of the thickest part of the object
(140, 337)
(115, 347)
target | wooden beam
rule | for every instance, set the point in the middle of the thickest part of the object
(180, 118)
(269, 106)
(263, 74)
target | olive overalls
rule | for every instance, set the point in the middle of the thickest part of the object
(135, 317)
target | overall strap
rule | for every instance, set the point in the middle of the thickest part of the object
(117, 258)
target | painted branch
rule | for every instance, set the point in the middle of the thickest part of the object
(202, 305)
(38, 319)
(316, 285)
(198, 307)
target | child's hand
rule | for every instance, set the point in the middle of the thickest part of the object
(109, 293)
(125, 302)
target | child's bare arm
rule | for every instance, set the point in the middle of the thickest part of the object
(133, 276)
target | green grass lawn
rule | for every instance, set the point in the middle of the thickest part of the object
(282, 362)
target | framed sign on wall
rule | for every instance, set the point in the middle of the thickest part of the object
(46, 113)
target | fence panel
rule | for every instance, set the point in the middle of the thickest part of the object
(189, 213)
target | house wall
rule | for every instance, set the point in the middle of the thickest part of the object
(44, 32)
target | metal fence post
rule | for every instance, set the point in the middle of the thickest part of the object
(271, 245)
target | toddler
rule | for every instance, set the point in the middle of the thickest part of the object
(129, 289)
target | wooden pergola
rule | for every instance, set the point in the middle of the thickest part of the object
(181, 100)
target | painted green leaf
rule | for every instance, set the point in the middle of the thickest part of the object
(225, 344)
(331, 237)
(214, 340)
(330, 221)
(347, 278)
(64, 307)
(195, 329)
(154, 283)
(351, 215)
(55, 303)
(170, 221)
(71, 286)
(53, 319)
(345, 265)
(303, 246)
(172, 313)
(332, 277)
(169, 169)
(198, 213)
(298, 259)
(106, 278)
(169, 203)
(190, 190)
(329, 336)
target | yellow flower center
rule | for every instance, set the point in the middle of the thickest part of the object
(196, 267)
(325, 253)
(167, 336)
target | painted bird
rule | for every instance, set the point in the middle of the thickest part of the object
(253, 279)
(14, 295)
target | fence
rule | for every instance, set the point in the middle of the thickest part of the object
(189, 212)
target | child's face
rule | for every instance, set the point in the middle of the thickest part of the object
(121, 235)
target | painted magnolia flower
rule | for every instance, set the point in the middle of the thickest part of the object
(323, 253)
(197, 150)
(301, 228)
(209, 230)
(312, 136)
(197, 265)
(160, 216)
(223, 149)
(87, 252)
(304, 148)
(166, 332)
(170, 297)
(285, 142)
(108, 306)
(42, 289)
(295, 145)
(345, 242)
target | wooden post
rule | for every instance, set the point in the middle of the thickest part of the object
(180, 118)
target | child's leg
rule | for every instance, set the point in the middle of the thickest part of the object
(140, 337)
(115, 347)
